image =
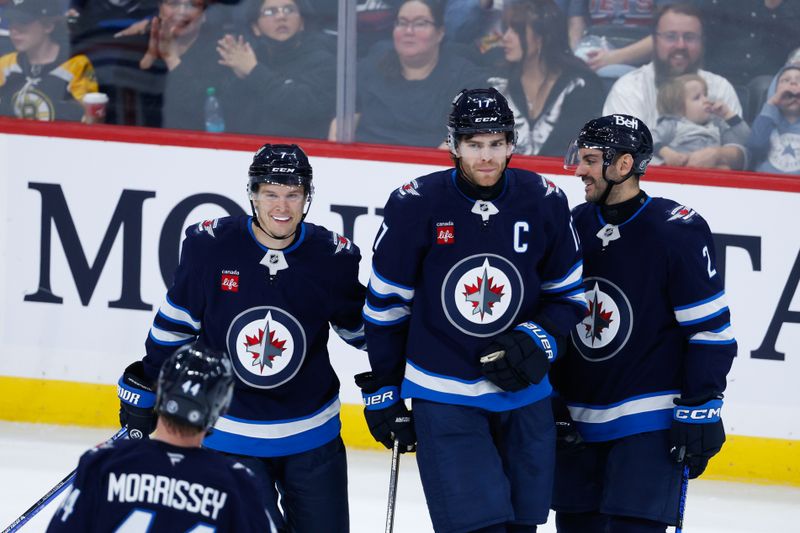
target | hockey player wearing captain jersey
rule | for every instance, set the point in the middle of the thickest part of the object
(265, 289)
(169, 483)
(644, 375)
(476, 263)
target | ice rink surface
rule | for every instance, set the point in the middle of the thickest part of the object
(33, 458)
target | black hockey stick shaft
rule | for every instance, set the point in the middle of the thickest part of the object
(393, 486)
(682, 503)
(59, 487)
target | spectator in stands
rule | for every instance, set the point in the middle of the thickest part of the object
(678, 38)
(180, 40)
(775, 140)
(618, 34)
(285, 76)
(692, 129)
(40, 80)
(750, 38)
(551, 92)
(403, 92)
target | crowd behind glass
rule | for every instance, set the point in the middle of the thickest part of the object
(717, 81)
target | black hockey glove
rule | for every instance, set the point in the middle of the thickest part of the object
(567, 436)
(519, 358)
(137, 400)
(386, 413)
(697, 433)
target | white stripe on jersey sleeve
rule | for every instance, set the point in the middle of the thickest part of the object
(573, 277)
(178, 314)
(687, 315)
(384, 288)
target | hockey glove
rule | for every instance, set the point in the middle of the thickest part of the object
(519, 358)
(697, 433)
(386, 413)
(137, 400)
(567, 436)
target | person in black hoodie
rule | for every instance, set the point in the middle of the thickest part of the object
(285, 76)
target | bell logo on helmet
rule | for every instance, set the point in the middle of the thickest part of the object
(626, 121)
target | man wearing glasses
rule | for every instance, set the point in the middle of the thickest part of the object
(679, 48)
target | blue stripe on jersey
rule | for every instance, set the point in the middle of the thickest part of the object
(696, 312)
(179, 315)
(353, 337)
(573, 278)
(169, 338)
(386, 316)
(721, 335)
(276, 438)
(426, 385)
(577, 297)
(636, 214)
(638, 414)
(383, 288)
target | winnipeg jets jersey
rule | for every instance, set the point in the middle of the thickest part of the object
(160, 488)
(270, 310)
(449, 273)
(658, 325)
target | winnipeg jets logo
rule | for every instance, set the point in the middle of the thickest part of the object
(342, 243)
(681, 213)
(264, 346)
(608, 322)
(208, 226)
(482, 294)
(409, 189)
(549, 187)
(267, 346)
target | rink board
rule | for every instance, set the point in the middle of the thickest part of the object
(76, 311)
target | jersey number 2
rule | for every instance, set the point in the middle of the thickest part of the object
(711, 271)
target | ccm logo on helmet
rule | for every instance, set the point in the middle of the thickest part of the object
(282, 170)
(624, 121)
(698, 414)
(485, 119)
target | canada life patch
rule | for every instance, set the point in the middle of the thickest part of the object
(229, 281)
(445, 233)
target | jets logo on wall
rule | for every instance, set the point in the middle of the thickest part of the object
(267, 346)
(482, 294)
(607, 326)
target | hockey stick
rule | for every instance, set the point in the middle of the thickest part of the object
(34, 509)
(682, 504)
(393, 486)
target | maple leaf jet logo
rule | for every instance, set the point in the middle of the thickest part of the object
(484, 294)
(264, 347)
(597, 320)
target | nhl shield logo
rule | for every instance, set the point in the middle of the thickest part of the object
(482, 294)
(267, 346)
(607, 326)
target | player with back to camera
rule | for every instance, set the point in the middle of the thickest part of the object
(641, 385)
(265, 288)
(478, 261)
(169, 483)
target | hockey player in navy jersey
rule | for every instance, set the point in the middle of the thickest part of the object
(476, 263)
(265, 289)
(169, 483)
(644, 377)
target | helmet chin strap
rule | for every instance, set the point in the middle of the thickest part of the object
(610, 184)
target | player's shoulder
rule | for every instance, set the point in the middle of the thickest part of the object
(417, 192)
(677, 221)
(584, 210)
(214, 230)
(536, 186)
(329, 243)
(99, 457)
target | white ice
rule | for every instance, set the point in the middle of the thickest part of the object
(33, 458)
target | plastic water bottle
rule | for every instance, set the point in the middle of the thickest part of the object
(213, 112)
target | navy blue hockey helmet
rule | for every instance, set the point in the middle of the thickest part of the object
(478, 111)
(195, 386)
(614, 135)
(281, 164)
